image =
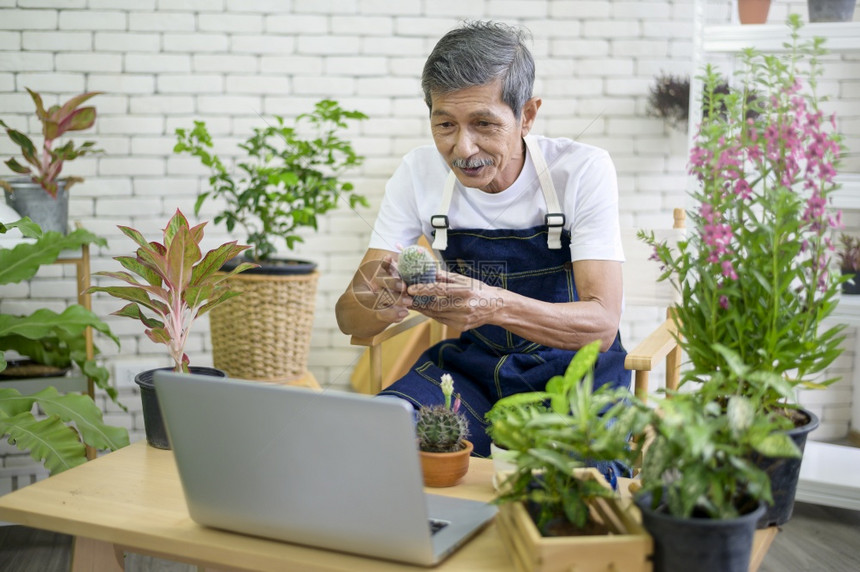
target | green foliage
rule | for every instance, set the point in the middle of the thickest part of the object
(285, 181)
(754, 273)
(550, 434)
(415, 262)
(179, 283)
(701, 456)
(45, 165)
(70, 421)
(45, 336)
(55, 439)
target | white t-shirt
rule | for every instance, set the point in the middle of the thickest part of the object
(584, 179)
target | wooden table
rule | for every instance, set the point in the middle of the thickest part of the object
(131, 500)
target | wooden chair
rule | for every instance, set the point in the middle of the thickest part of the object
(642, 287)
(392, 352)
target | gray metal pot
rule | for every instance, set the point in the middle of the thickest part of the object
(31, 200)
(831, 10)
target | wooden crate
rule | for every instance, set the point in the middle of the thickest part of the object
(628, 548)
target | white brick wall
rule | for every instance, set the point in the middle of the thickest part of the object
(164, 63)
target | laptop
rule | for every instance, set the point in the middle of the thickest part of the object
(331, 469)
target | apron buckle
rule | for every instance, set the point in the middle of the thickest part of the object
(549, 217)
(443, 224)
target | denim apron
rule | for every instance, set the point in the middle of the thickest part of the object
(489, 362)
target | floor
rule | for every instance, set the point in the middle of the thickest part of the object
(816, 539)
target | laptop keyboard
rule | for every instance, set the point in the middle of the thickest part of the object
(437, 525)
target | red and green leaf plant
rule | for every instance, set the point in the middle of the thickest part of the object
(45, 165)
(179, 283)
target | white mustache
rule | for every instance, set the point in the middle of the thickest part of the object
(471, 163)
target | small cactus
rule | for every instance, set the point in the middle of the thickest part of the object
(442, 428)
(417, 266)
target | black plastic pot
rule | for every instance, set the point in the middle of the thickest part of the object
(853, 285)
(153, 421)
(273, 266)
(701, 544)
(784, 474)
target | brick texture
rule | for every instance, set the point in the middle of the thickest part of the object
(164, 63)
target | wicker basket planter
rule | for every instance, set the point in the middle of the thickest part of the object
(265, 333)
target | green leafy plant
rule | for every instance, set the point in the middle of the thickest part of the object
(754, 273)
(286, 181)
(178, 283)
(442, 428)
(58, 437)
(44, 166)
(46, 336)
(699, 460)
(849, 253)
(550, 435)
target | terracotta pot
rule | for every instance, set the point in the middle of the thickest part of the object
(445, 469)
(753, 11)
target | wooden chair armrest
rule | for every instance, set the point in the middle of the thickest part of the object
(413, 319)
(652, 349)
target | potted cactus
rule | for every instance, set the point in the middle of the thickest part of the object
(42, 195)
(442, 432)
(177, 285)
(290, 176)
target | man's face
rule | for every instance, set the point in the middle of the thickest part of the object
(479, 137)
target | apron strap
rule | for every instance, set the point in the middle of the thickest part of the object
(440, 221)
(554, 218)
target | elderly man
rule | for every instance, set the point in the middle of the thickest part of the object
(527, 225)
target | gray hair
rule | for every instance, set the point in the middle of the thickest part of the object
(479, 53)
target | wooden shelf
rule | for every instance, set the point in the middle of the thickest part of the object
(31, 385)
(841, 36)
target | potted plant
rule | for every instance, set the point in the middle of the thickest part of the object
(171, 284)
(70, 422)
(754, 272)
(701, 492)
(849, 262)
(753, 11)
(42, 195)
(669, 99)
(442, 432)
(289, 177)
(567, 453)
(831, 10)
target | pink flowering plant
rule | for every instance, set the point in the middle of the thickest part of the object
(754, 271)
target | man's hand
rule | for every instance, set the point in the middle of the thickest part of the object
(381, 290)
(459, 301)
(375, 298)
